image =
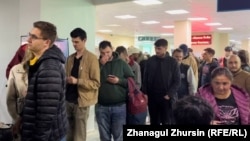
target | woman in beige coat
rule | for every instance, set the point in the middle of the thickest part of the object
(17, 89)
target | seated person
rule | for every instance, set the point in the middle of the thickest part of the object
(192, 110)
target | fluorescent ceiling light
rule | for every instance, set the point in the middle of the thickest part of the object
(113, 25)
(125, 17)
(177, 11)
(225, 28)
(150, 22)
(167, 34)
(105, 30)
(147, 2)
(168, 26)
(197, 19)
(213, 24)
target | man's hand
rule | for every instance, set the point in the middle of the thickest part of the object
(16, 128)
(113, 79)
(166, 97)
(71, 80)
(104, 60)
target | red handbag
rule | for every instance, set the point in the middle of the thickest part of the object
(137, 100)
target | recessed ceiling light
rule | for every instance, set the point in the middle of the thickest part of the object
(105, 30)
(168, 26)
(150, 22)
(167, 34)
(113, 25)
(147, 2)
(225, 28)
(177, 11)
(197, 19)
(125, 17)
(213, 24)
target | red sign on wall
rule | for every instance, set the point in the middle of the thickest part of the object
(201, 39)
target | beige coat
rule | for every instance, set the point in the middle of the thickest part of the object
(88, 79)
(242, 80)
(190, 60)
(16, 90)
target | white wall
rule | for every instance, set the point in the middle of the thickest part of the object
(29, 13)
(67, 15)
(16, 19)
(9, 40)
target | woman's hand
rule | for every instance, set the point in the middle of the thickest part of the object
(216, 122)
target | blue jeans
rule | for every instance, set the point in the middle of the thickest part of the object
(110, 120)
(137, 119)
(63, 139)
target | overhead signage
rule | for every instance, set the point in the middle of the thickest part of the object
(232, 5)
(201, 39)
(148, 38)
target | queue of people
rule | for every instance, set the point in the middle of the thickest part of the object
(49, 96)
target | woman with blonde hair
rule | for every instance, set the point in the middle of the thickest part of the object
(17, 90)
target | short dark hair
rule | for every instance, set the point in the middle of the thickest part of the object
(48, 30)
(190, 49)
(104, 44)
(222, 71)
(121, 49)
(192, 110)
(228, 48)
(210, 50)
(78, 32)
(177, 50)
(161, 42)
(244, 56)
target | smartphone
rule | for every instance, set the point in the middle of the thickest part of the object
(111, 76)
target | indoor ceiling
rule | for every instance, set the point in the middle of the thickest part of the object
(106, 12)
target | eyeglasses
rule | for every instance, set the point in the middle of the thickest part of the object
(34, 37)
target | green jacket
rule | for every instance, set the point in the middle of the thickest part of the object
(114, 94)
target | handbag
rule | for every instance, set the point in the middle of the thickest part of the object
(137, 100)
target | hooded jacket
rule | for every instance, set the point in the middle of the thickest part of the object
(44, 114)
(241, 100)
(114, 94)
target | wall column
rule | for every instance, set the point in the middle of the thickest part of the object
(245, 44)
(182, 33)
(219, 42)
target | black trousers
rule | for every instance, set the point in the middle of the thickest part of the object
(6, 134)
(160, 111)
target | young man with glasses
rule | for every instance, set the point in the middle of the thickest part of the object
(44, 114)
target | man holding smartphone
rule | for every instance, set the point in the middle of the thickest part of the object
(111, 107)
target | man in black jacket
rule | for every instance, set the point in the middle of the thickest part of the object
(161, 81)
(44, 115)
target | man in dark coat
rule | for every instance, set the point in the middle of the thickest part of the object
(161, 82)
(44, 114)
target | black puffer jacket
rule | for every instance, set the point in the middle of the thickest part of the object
(44, 114)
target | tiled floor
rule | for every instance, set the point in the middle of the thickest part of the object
(93, 135)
